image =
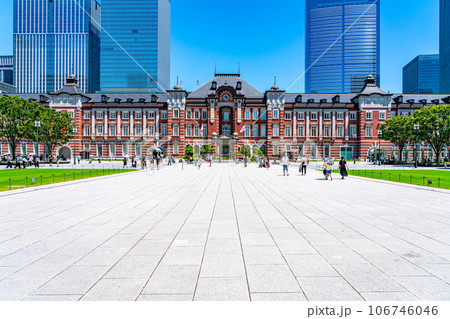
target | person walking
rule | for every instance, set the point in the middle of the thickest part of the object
(343, 167)
(303, 165)
(8, 161)
(124, 162)
(285, 162)
(199, 162)
(36, 162)
(328, 166)
(158, 159)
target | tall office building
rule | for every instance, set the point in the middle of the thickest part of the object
(53, 39)
(421, 75)
(142, 28)
(346, 65)
(444, 50)
(7, 69)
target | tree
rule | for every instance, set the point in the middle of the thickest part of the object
(206, 149)
(188, 152)
(56, 128)
(397, 130)
(257, 151)
(17, 116)
(434, 126)
(244, 151)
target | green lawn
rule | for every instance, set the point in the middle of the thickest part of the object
(21, 178)
(438, 178)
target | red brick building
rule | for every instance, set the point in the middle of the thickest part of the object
(227, 113)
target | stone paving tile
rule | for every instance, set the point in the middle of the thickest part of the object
(278, 297)
(172, 280)
(426, 288)
(183, 256)
(114, 290)
(389, 296)
(263, 255)
(134, 267)
(271, 278)
(310, 266)
(222, 289)
(328, 288)
(52, 298)
(177, 297)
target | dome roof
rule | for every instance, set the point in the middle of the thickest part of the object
(177, 87)
(275, 88)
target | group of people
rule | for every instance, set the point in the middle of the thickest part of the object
(23, 161)
(327, 167)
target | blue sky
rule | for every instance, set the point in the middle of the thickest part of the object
(267, 38)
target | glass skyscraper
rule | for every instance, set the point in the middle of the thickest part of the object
(7, 69)
(421, 75)
(54, 38)
(444, 46)
(345, 66)
(142, 28)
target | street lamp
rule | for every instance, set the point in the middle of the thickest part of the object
(37, 124)
(75, 130)
(380, 132)
(416, 128)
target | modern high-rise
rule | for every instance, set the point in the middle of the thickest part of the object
(421, 75)
(7, 69)
(53, 39)
(135, 49)
(345, 66)
(444, 46)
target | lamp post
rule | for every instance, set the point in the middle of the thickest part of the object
(380, 132)
(37, 124)
(416, 128)
(75, 130)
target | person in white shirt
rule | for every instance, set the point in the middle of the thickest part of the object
(285, 162)
(304, 162)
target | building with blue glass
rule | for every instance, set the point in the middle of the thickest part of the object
(53, 39)
(444, 46)
(345, 66)
(135, 49)
(421, 75)
(7, 69)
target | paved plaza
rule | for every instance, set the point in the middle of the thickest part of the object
(225, 233)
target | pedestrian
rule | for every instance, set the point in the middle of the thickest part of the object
(124, 162)
(199, 163)
(50, 160)
(303, 164)
(79, 159)
(158, 159)
(343, 167)
(8, 161)
(36, 162)
(328, 166)
(285, 162)
(57, 161)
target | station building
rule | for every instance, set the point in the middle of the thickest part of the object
(227, 113)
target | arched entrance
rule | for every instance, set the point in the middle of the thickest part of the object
(65, 152)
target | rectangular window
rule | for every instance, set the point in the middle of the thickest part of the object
(327, 116)
(301, 130)
(340, 116)
(196, 114)
(188, 130)
(275, 114)
(175, 130)
(100, 150)
(205, 130)
(275, 130)
(164, 115)
(138, 115)
(176, 114)
(151, 115)
(313, 116)
(263, 115)
(353, 131)
(263, 130)
(112, 115)
(138, 149)
(287, 131)
(87, 115)
(112, 129)
(275, 150)
(353, 116)
(288, 116)
(247, 130)
(188, 115)
(196, 130)
(368, 115)
(313, 130)
(340, 131)
(247, 114)
(112, 150)
(226, 116)
(326, 131)
(99, 115)
(164, 130)
(255, 114)
(368, 130)
(175, 147)
(300, 116)
(382, 115)
(124, 149)
(326, 150)
(24, 148)
(99, 129)
(125, 115)
(87, 130)
(151, 130)
(255, 130)
(71, 114)
(204, 114)
(125, 130)
(138, 130)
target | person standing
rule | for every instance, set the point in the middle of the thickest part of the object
(285, 162)
(328, 169)
(304, 163)
(124, 162)
(8, 161)
(343, 167)
(36, 162)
